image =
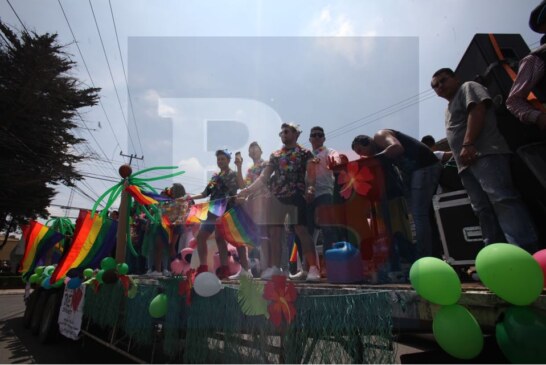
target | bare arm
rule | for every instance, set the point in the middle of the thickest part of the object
(239, 163)
(390, 145)
(259, 183)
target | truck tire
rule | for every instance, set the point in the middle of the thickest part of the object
(30, 305)
(37, 312)
(49, 328)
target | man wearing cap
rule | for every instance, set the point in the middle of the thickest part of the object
(222, 185)
(291, 189)
(530, 76)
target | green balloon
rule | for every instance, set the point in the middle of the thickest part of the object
(33, 278)
(108, 263)
(87, 273)
(132, 292)
(435, 280)
(123, 268)
(158, 306)
(457, 332)
(525, 330)
(58, 283)
(510, 272)
(39, 270)
(99, 276)
(49, 270)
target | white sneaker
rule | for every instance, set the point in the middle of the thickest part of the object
(314, 274)
(240, 274)
(154, 273)
(300, 275)
(270, 272)
(166, 273)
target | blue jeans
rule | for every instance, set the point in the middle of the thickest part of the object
(496, 202)
(423, 186)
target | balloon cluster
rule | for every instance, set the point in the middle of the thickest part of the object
(206, 284)
(42, 277)
(509, 272)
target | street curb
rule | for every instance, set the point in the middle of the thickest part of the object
(12, 291)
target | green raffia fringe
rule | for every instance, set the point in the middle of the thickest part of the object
(351, 327)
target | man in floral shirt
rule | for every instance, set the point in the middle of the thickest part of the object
(288, 166)
(222, 185)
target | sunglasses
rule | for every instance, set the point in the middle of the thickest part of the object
(316, 135)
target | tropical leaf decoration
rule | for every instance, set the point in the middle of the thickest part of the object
(250, 298)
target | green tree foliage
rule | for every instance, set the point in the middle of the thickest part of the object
(39, 100)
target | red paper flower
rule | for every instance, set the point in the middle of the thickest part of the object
(125, 281)
(185, 286)
(355, 179)
(282, 296)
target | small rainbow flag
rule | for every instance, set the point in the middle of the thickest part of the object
(94, 239)
(142, 199)
(38, 240)
(238, 228)
(198, 213)
(166, 228)
(218, 206)
(294, 254)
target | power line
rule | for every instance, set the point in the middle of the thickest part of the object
(126, 80)
(17, 15)
(112, 76)
(88, 73)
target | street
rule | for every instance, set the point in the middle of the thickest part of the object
(18, 345)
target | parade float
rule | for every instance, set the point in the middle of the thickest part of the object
(187, 318)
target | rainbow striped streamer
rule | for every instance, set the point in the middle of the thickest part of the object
(93, 241)
(238, 228)
(38, 240)
(142, 199)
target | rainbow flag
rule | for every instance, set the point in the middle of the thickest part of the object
(238, 228)
(38, 240)
(198, 213)
(137, 194)
(218, 206)
(93, 241)
(158, 197)
(166, 228)
(294, 254)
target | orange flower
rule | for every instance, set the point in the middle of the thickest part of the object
(355, 179)
(282, 296)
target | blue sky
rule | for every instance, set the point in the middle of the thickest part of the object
(351, 66)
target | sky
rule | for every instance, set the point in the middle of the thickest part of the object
(181, 79)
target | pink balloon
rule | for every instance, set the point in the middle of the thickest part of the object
(193, 243)
(177, 267)
(186, 254)
(540, 256)
(234, 266)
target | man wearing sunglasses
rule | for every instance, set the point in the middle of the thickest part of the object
(483, 160)
(323, 191)
(292, 186)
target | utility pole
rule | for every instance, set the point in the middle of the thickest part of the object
(131, 156)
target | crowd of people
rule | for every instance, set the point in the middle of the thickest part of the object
(284, 193)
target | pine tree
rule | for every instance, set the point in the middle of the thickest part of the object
(39, 101)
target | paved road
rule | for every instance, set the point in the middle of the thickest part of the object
(18, 345)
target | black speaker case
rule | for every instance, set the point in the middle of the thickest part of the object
(458, 227)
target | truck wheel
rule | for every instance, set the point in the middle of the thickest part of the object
(37, 312)
(49, 328)
(29, 309)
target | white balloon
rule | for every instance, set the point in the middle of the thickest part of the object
(207, 284)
